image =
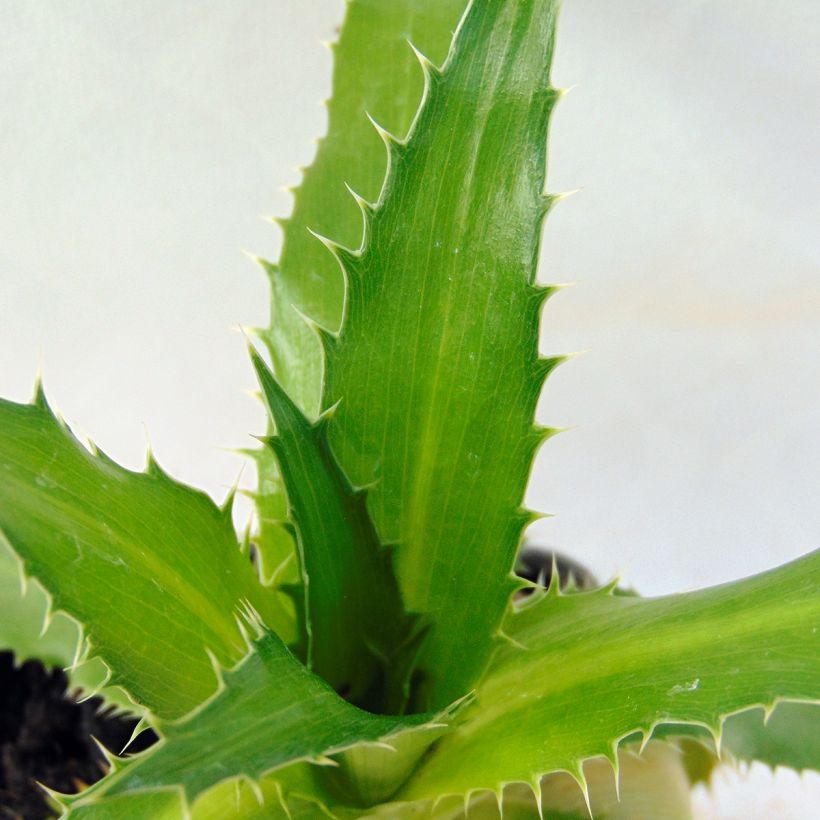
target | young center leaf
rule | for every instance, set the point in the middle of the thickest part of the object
(150, 569)
(356, 624)
(436, 368)
(590, 669)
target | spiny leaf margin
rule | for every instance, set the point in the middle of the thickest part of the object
(585, 671)
(436, 367)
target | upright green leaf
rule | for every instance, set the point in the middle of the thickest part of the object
(355, 618)
(590, 669)
(436, 367)
(150, 568)
(374, 73)
(270, 713)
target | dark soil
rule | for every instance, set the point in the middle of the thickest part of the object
(46, 737)
(536, 564)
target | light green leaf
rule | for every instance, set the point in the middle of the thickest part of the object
(150, 568)
(270, 712)
(790, 737)
(23, 627)
(355, 620)
(436, 367)
(29, 629)
(279, 795)
(590, 669)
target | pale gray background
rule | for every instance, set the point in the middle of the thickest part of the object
(140, 140)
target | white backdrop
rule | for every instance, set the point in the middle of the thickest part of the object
(141, 141)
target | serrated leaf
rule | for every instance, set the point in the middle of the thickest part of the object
(150, 568)
(374, 73)
(598, 667)
(25, 626)
(789, 737)
(355, 620)
(270, 712)
(274, 796)
(30, 630)
(436, 367)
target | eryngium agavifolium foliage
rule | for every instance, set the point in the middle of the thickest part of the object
(366, 650)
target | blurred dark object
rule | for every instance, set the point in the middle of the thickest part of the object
(46, 737)
(536, 564)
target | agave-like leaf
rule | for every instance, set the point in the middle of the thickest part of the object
(436, 368)
(150, 569)
(270, 712)
(355, 620)
(587, 670)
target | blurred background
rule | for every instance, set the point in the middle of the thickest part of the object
(141, 142)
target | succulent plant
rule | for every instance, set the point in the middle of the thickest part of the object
(364, 651)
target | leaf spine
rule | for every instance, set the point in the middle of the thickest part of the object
(576, 772)
(142, 725)
(365, 205)
(254, 786)
(39, 397)
(343, 255)
(535, 785)
(503, 636)
(615, 761)
(430, 70)
(47, 618)
(389, 139)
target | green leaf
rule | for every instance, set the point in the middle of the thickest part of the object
(436, 366)
(149, 568)
(24, 628)
(590, 669)
(274, 796)
(270, 712)
(374, 73)
(788, 736)
(355, 620)
(29, 629)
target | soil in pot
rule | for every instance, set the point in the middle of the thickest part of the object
(46, 737)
